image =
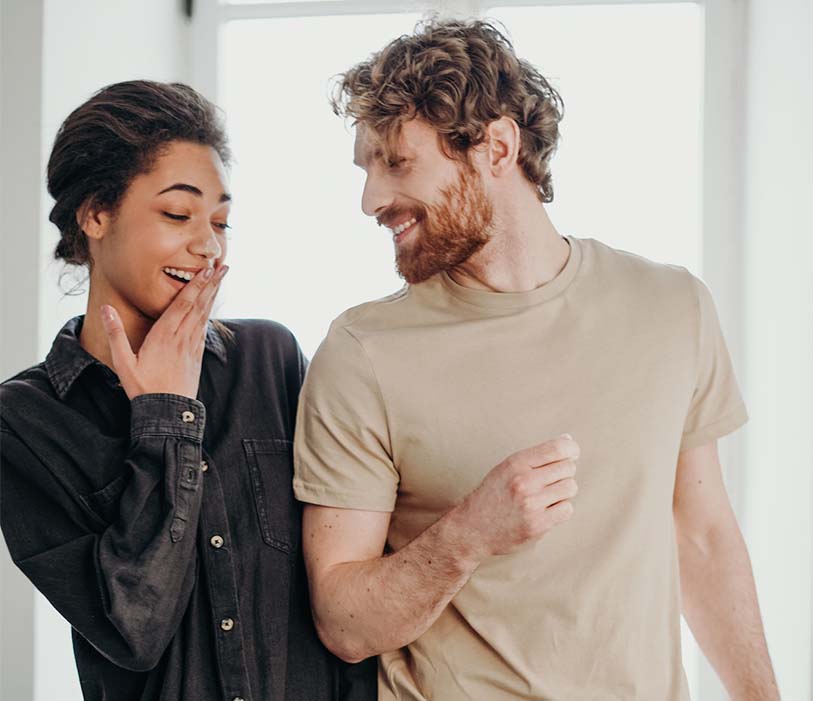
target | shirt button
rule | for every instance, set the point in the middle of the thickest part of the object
(204, 466)
(216, 541)
(187, 417)
(227, 624)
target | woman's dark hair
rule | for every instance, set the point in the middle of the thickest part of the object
(115, 136)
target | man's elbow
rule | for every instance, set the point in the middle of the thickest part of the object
(342, 642)
(706, 543)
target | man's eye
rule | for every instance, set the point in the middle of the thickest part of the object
(175, 217)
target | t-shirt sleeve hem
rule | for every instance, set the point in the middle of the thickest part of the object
(722, 427)
(323, 496)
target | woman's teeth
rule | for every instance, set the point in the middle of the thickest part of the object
(179, 274)
(403, 227)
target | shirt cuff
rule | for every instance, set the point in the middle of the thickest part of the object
(167, 415)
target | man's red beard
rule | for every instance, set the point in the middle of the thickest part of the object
(450, 232)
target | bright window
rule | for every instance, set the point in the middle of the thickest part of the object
(302, 251)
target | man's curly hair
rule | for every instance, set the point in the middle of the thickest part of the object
(458, 76)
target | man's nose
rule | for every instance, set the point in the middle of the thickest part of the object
(377, 196)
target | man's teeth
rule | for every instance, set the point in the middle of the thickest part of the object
(403, 227)
(181, 274)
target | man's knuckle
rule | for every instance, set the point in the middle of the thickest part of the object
(527, 530)
(518, 486)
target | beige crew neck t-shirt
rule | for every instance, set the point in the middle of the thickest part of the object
(410, 401)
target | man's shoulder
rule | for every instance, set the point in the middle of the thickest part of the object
(376, 315)
(616, 268)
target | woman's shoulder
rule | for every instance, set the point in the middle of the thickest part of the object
(250, 333)
(24, 399)
(29, 384)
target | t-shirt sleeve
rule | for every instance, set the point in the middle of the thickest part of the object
(342, 453)
(716, 407)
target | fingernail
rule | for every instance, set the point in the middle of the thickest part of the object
(567, 435)
(223, 270)
(107, 312)
(208, 273)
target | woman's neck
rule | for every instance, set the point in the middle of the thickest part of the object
(93, 337)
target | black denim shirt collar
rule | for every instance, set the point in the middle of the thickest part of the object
(67, 360)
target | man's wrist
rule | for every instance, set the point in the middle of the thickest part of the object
(468, 548)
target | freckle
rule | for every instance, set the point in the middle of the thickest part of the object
(699, 481)
(368, 588)
(342, 630)
(429, 562)
(352, 616)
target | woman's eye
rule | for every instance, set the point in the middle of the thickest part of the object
(222, 225)
(175, 217)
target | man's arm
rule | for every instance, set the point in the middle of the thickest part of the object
(717, 585)
(366, 603)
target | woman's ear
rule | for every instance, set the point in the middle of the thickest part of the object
(93, 220)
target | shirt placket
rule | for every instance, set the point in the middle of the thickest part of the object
(220, 569)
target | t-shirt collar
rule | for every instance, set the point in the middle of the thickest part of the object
(517, 300)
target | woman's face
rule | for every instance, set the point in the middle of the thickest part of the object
(170, 224)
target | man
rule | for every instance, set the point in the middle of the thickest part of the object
(439, 429)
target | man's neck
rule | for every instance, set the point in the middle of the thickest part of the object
(524, 253)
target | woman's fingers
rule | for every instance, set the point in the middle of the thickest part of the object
(184, 302)
(120, 350)
(194, 324)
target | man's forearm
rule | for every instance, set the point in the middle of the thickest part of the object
(720, 605)
(366, 608)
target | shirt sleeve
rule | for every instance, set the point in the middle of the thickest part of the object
(123, 585)
(716, 407)
(342, 450)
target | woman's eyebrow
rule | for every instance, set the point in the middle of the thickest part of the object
(184, 187)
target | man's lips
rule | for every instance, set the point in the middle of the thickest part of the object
(404, 230)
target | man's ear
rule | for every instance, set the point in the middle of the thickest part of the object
(503, 138)
(93, 220)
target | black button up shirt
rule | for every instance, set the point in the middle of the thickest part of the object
(164, 529)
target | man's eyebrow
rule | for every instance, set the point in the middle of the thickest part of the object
(370, 155)
(184, 187)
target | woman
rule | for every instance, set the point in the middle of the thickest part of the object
(146, 463)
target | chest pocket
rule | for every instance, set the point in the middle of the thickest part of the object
(270, 468)
(104, 504)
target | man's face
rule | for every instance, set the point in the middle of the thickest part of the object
(436, 208)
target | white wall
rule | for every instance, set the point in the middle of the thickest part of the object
(60, 53)
(779, 328)
(20, 67)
